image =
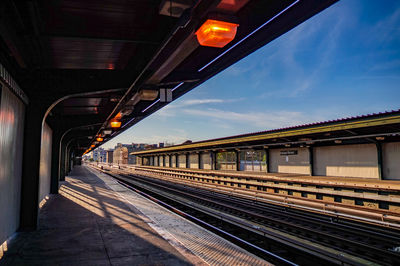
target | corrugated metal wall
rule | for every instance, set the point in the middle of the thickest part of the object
(173, 160)
(12, 114)
(206, 160)
(182, 160)
(360, 160)
(284, 161)
(194, 160)
(391, 160)
(45, 162)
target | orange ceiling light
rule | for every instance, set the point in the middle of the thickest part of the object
(115, 124)
(99, 139)
(92, 146)
(216, 33)
(118, 116)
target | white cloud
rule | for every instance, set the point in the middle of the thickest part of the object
(261, 120)
(173, 109)
(175, 139)
(201, 101)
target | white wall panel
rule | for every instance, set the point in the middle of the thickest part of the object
(391, 160)
(182, 160)
(173, 161)
(297, 163)
(359, 160)
(206, 160)
(194, 161)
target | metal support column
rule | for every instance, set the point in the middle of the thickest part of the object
(311, 159)
(237, 154)
(187, 155)
(213, 160)
(31, 166)
(200, 164)
(267, 161)
(380, 160)
(66, 163)
(55, 161)
(62, 161)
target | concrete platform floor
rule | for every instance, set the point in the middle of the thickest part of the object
(91, 223)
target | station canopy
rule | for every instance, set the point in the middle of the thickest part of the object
(88, 63)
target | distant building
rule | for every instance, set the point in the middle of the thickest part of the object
(161, 145)
(150, 146)
(99, 155)
(120, 154)
(109, 156)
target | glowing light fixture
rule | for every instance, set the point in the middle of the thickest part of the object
(99, 139)
(216, 33)
(92, 146)
(247, 36)
(118, 116)
(115, 124)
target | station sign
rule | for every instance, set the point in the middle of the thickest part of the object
(289, 152)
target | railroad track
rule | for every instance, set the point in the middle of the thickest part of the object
(316, 237)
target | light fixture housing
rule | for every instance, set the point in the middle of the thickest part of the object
(115, 124)
(107, 132)
(216, 33)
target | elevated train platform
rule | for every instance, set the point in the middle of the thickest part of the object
(348, 166)
(75, 74)
(96, 221)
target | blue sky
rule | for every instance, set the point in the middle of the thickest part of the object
(342, 62)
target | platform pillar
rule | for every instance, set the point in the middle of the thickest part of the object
(311, 160)
(62, 162)
(31, 166)
(200, 164)
(187, 155)
(267, 160)
(237, 155)
(213, 160)
(380, 160)
(55, 161)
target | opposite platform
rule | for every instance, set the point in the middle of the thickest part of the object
(96, 221)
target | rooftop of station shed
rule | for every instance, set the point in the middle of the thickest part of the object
(350, 130)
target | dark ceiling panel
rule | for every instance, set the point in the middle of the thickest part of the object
(81, 110)
(111, 49)
(99, 34)
(82, 101)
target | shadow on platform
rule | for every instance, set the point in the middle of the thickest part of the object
(86, 224)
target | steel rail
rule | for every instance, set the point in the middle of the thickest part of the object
(251, 215)
(299, 227)
(207, 225)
